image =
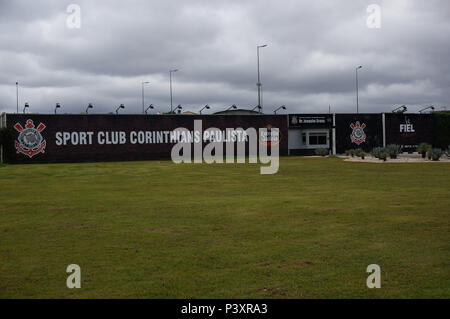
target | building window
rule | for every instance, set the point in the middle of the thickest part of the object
(304, 138)
(317, 138)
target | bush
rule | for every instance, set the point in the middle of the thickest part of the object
(358, 152)
(352, 152)
(435, 154)
(383, 156)
(376, 152)
(322, 151)
(423, 149)
(393, 150)
(362, 154)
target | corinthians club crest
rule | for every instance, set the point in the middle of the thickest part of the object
(30, 141)
(358, 136)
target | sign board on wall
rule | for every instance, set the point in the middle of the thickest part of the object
(409, 130)
(310, 120)
(364, 131)
(75, 138)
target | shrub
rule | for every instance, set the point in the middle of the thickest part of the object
(322, 151)
(435, 154)
(383, 156)
(393, 150)
(362, 154)
(376, 151)
(358, 152)
(423, 149)
(352, 152)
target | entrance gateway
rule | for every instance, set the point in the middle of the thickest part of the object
(308, 132)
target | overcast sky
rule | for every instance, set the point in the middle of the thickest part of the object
(309, 63)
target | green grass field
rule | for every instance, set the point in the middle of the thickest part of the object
(159, 230)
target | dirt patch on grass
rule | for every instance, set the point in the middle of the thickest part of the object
(276, 291)
(64, 225)
(76, 227)
(297, 263)
(265, 264)
(330, 210)
(377, 245)
(164, 230)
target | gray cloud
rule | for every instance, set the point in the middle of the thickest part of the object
(309, 64)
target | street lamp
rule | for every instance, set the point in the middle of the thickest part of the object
(121, 106)
(259, 108)
(170, 76)
(143, 95)
(205, 107)
(403, 107)
(90, 106)
(17, 97)
(431, 107)
(234, 107)
(57, 107)
(281, 107)
(178, 108)
(357, 99)
(259, 80)
(26, 105)
(149, 107)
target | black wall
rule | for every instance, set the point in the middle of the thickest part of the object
(127, 123)
(409, 130)
(441, 130)
(373, 131)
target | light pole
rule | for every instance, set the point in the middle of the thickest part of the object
(178, 108)
(281, 107)
(149, 107)
(170, 76)
(205, 107)
(259, 108)
(121, 106)
(259, 79)
(403, 107)
(431, 107)
(25, 106)
(143, 95)
(57, 107)
(357, 99)
(90, 106)
(234, 107)
(17, 97)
